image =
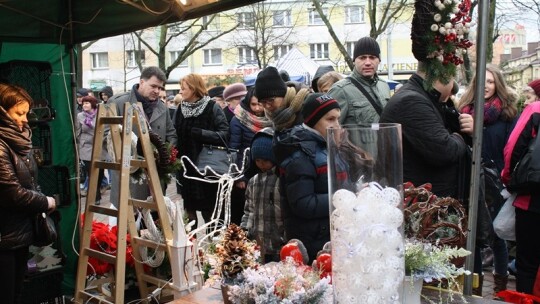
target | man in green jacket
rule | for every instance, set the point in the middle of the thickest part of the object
(356, 107)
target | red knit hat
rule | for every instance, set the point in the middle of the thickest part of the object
(535, 85)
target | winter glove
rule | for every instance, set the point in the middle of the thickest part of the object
(196, 132)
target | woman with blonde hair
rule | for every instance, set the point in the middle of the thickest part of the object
(198, 120)
(500, 112)
(327, 80)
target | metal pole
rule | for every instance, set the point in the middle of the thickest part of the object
(481, 47)
(389, 55)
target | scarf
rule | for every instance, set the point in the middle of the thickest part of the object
(19, 141)
(194, 109)
(285, 117)
(89, 118)
(492, 110)
(251, 121)
(148, 105)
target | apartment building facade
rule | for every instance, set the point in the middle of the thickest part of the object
(116, 61)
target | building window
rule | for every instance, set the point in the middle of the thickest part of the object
(246, 21)
(175, 55)
(349, 46)
(246, 55)
(319, 51)
(134, 56)
(210, 26)
(281, 50)
(282, 18)
(100, 60)
(212, 56)
(315, 18)
(354, 14)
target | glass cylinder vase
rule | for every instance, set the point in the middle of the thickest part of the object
(365, 167)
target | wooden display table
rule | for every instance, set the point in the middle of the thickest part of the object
(212, 295)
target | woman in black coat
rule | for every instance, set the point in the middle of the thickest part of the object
(198, 120)
(20, 201)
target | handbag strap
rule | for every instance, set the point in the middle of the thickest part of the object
(374, 104)
(222, 140)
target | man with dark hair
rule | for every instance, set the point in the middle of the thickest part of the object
(80, 94)
(362, 95)
(146, 91)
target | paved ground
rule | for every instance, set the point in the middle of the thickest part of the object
(487, 290)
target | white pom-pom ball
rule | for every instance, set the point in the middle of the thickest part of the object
(370, 194)
(434, 27)
(437, 17)
(448, 25)
(343, 199)
(391, 196)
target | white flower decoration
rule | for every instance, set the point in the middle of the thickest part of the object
(434, 27)
(448, 25)
(437, 17)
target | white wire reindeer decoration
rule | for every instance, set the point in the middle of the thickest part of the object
(225, 183)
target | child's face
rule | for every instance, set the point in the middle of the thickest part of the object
(263, 164)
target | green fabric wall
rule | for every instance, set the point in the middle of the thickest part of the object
(63, 150)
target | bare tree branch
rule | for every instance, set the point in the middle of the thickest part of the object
(390, 10)
(191, 31)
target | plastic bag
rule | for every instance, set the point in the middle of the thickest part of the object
(505, 222)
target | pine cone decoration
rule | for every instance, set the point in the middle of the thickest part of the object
(235, 252)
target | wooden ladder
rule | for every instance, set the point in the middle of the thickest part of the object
(149, 286)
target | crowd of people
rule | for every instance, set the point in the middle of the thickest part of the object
(284, 192)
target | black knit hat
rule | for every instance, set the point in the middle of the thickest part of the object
(316, 106)
(284, 75)
(269, 84)
(366, 46)
(216, 91)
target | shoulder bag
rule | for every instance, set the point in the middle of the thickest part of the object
(377, 106)
(526, 174)
(216, 160)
